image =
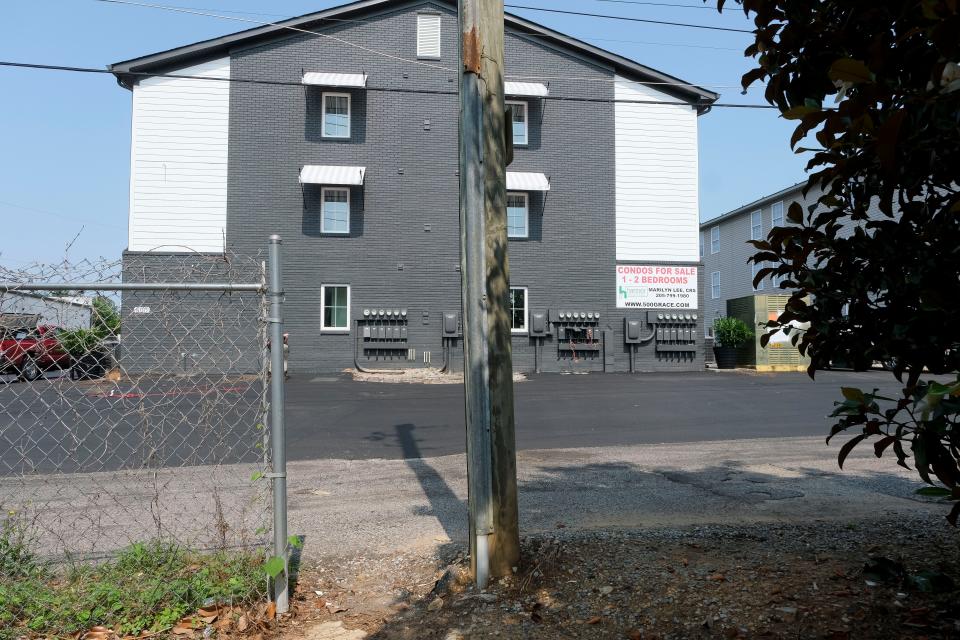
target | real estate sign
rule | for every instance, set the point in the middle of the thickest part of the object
(656, 287)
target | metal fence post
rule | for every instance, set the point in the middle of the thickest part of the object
(279, 468)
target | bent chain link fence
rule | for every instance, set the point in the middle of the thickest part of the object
(132, 419)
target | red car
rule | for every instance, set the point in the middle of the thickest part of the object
(29, 352)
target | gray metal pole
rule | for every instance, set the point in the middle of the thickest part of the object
(279, 467)
(476, 366)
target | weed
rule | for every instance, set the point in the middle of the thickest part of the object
(147, 587)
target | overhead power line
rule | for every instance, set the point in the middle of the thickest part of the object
(192, 11)
(660, 4)
(280, 26)
(288, 83)
(525, 35)
(610, 17)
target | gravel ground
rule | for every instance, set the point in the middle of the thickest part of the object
(717, 581)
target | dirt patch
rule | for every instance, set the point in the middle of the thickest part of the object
(415, 376)
(752, 581)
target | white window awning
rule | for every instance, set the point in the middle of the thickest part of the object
(316, 79)
(526, 89)
(519, 181)
(336, 175)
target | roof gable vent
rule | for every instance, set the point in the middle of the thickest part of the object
(428, 35)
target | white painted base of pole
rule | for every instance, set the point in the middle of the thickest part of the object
(483, 561)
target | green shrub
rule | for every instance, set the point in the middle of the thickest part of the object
(731, 332)
(104, 324)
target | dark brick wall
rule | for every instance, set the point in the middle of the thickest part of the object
(403, 248)
(195, 332)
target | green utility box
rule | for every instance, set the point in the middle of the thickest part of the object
(780, 354)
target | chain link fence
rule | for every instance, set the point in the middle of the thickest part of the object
(134, 445)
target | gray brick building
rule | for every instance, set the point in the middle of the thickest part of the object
(343, 140)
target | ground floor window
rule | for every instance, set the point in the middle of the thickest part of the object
(517, 215)
(336, 211)
(335, 314)
(518, 309)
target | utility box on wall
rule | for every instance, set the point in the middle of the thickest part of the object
(780, 354)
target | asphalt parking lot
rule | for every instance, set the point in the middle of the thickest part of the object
(333, 417)
(81, 428)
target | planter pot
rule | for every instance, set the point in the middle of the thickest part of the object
(726, 357)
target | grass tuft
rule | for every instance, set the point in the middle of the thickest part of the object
(147, 587)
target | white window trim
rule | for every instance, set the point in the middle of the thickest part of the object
(431, 55)
(323, 316)
(323, 121)
(773, 218)
(526, 312)
(715, 249)
(717, 296)
(526, 120)
(526, 209)
(323, 216)
(759, 214)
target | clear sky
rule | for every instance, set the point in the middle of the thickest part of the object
(65, 138)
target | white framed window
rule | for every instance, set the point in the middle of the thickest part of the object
(701, 244)
(336, 115)
(756, 225)
(754, 270)
(335, 215)
(520, 122)
(519, 303)
(715, 285)
(715, 240)
(428, 35)
(518, 215)
(776, 214)
(335, 311)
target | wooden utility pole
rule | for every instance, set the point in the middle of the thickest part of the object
(485, 278)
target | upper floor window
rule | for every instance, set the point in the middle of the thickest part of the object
(335, 314)
(715, 285)
(518, 309)
(756, 225)
(428, 35)
(776, 214)
(336, 115)
(520, 129)
(518, 215)
(336, 211)
(701, 244)
(715, 240)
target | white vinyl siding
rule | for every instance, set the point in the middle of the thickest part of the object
(756, 225)
(336, 211)
(428, 36)
(715, 285)
(520, 122)
(178, 161)
(336, 115)
(335, 308)
(519, 303)
(714, 240)
(776, 214)
(518, 215)
(657, 208)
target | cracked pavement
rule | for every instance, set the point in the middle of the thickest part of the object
(346, 508)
